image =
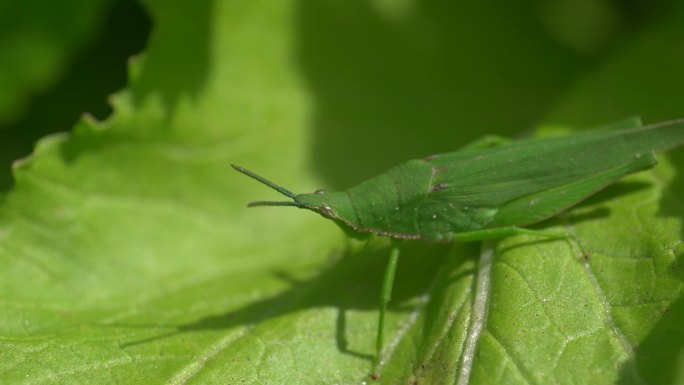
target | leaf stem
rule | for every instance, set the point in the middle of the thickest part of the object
(479, 315)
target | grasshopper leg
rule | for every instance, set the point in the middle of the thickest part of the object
(385, 296)
(502, 232)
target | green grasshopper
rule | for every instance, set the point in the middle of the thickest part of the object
(490, 189)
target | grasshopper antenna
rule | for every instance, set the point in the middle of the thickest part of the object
(270, 184)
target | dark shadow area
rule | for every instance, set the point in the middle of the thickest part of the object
(341, 336)
(392, 84)
(660, 356)
(541, 240)
(393, 81)
(640, 13)
(352, 283)
(672, 203)
(178, 65)
(595, 214)
(97, 72)
(614, 191)
(173, 68)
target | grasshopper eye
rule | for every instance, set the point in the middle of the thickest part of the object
(328, 211)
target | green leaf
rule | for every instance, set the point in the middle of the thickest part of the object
(127, 255)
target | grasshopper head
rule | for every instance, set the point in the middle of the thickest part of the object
(332, 205)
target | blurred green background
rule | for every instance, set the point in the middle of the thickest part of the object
(382, 73)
